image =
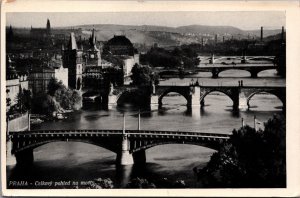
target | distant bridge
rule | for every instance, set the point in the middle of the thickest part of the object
(212, 58)
(129, 145)
(195, 94)
(216, 65)
(253, 70)
(216, 69)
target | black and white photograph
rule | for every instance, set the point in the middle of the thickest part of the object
(145, 100)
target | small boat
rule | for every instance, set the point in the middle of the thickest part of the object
(60, 116)
(36, 121)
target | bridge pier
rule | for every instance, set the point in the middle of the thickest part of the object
(139, 157)
(24, 158)
(124, 157)
(112, 100)
(254, 74)
(243, 101)
(195, 96)
(215, 73)
(202, 103)
(10, 158)
(154, 100)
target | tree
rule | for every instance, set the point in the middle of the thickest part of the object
(54, 85)
(142, 75)
(19, 101)
(250, 158)
(27, 99)
(140, 183)
(101, 184)
(8, 100)
(44, 104)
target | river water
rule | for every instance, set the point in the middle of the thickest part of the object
(75, 161)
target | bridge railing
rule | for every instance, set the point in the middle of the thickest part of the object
(109, 131)
(119, 132)
(177, 133)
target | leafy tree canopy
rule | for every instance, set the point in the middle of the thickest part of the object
(250, 159)
(143, 75)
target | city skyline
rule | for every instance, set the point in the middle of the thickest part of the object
(269, 19)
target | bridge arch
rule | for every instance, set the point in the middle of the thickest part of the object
(151, 145)
(234, 69)
(182, 92)
(265, 69)
(33, 144)
(279, 95)
(226, 92)
(261, 58)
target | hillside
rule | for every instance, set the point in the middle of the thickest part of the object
(147, 35)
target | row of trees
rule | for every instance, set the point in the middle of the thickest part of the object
(138, 183)
(251, 159)
(178, 57)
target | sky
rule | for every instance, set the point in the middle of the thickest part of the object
(244, 20)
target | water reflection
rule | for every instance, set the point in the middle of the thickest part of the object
(123, 175)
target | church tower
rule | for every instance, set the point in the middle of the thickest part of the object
(93, 54)
(48, 27)
(72, 59)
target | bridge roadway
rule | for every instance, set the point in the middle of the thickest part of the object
(216, 69)
(129, 145)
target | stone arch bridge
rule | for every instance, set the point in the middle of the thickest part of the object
(195, 95)
(253, 70)
(129, 145)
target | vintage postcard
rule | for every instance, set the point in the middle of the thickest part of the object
(172, 98)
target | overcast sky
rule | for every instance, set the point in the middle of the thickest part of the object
(242, 20)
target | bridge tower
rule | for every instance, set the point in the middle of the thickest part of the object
(72, 59)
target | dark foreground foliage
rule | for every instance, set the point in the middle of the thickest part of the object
(251, 159)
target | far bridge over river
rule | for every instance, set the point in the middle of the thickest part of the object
(195, 94)
(216, 65)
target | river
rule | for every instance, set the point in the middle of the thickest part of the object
(65, 161)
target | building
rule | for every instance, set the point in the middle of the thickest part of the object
(39, 78)
(93, 56)
(41, 32)
(72, 59)
(14, 83)
(122, 48)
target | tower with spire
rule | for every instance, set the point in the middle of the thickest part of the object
(72, 59)
(48, 27)
(10, 34)
(93, 54)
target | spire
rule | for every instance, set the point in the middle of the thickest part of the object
(93, 39)
(10, 33)
(48, 26)
(72, 42)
